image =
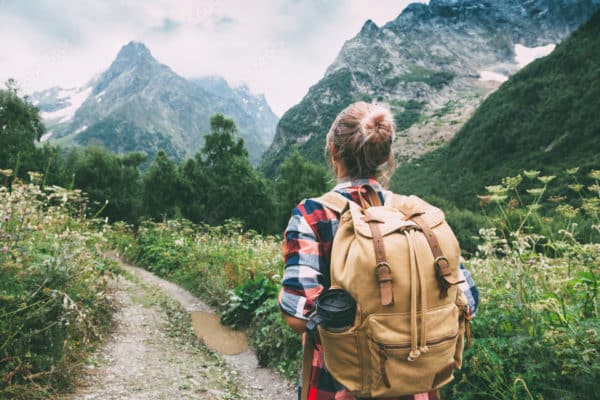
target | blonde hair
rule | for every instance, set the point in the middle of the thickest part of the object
(361, 137)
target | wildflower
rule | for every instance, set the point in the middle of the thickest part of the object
(546, 179)
(532, 174)
(557, 199)
(484, 199)
(35, 177)
(576, 187)
(496, 189)
(511, 182)
(595, 174)
(572, 171)
(567, 211)
(594, 188)
(535, 191)
(591, 206)
(5, 249)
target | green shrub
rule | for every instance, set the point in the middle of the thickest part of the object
(538, 327)
(277, 345)
(245, 299)
(208, 261)
(54, 303)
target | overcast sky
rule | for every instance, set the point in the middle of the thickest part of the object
(278, 47)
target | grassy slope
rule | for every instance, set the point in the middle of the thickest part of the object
(545, 117)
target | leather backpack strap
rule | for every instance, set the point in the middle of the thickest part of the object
(383, 271)
(372, 198)
(307, 365)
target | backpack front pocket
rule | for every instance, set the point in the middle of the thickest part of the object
(395, 370)
(341, 351)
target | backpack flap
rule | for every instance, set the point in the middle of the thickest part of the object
(412, 205)
(390, 220)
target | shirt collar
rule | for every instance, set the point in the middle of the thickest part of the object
(347, 182)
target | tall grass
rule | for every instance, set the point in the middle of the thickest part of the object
(54, 298)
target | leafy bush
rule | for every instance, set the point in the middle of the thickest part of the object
(208, 261)
(539, 324)
(245, 299)
(277, 346)
(54, 298)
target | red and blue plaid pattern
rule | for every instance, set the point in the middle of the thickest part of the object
(307, 251)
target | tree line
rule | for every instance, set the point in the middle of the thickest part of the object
(217, 184)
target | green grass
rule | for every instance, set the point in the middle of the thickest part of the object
(54, 303)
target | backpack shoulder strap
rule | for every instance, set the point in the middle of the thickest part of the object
(334, 201)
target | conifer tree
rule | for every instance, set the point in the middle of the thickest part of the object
(20, 128)
(161, 188)
(234, 189)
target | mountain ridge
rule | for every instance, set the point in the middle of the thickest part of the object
(433, 64)
(548, 119)
(139, 104)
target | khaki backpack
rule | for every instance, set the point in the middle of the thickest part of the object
(400, 263)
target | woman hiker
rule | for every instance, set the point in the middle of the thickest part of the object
(359, 150)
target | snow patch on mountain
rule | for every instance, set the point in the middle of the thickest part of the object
(75, 98)
(99, 96)
(83, 128)
(492, 76)
(525, 55)
(46, 136)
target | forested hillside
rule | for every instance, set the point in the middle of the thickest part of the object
(434, 64)
(545, 117)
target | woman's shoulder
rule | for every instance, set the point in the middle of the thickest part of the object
(312, 212)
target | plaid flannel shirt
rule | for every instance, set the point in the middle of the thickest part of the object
(307, 251)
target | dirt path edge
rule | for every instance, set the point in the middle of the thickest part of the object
(270, 384)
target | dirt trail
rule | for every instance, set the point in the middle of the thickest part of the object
(141, 360)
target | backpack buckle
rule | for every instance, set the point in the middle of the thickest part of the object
(442, 266)
(385, 275)
(384, 278)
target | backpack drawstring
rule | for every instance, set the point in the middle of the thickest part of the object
(414, 351)
(416, 272)
(423, 288)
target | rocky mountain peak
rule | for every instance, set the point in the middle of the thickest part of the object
(132, 55)
(134, 52)
(370, 28)
(139, 104)
(414, 11)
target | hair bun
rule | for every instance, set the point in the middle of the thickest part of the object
(361, 138)
(378, 126)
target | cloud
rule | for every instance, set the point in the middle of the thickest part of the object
(278, 47)
(223, 22)
(168, 26)
(41, 17)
